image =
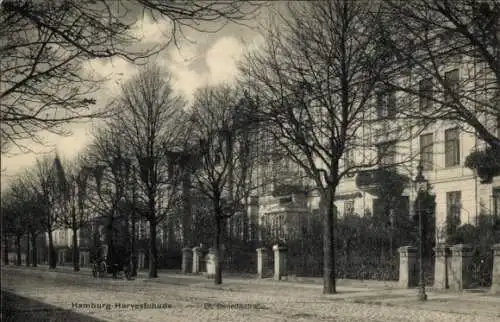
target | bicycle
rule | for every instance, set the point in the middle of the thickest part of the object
(99, 269)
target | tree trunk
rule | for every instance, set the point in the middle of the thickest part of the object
(76, 250)
(245, 220)
(110, 242)
(34, 250)
(52, 252)
(170, 232)
(329, 283)
(28, 249)
(153, 254)
(187, 218)
(133, 250)
(218, 231)
(6, 250)
(18, 250)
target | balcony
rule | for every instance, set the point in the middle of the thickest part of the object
(382, 182)
(486, 163)
(286, 190)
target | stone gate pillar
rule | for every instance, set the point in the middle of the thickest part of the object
(62, 257)
(197, 253)
(84, 258)
(441, 266)
(262, 259)
(211, 262)
(460, 274)
(187, 260)
(280, 262)
(407, 266)
(141, 260)
(495, 274)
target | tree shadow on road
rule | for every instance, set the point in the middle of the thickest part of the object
(18, 308)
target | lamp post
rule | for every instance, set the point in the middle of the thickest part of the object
(421, 186)
(97, 172)
(81, 185)
(131, 179)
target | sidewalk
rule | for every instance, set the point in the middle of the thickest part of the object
(245, 278)
(362, 292)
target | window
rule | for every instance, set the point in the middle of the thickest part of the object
(452, 147)
(426, 150)
(498, 126)
(425, 94)
(452, 81)
(386, 104)
(387, 153)
(142, 230)
(453, 209)
(348, 207)
(237, 223)
(277, 227)
(391, 104)
(348, 158)
(496, 202)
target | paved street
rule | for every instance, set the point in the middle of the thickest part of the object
(180, 298)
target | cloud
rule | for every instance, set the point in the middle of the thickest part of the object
(209, 61)
(150, 31)
(220, 64)
(221, 59)
(115, 70)
(185, 79)
(67, 146)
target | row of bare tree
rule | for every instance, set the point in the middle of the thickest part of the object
(146, 160)
(311, 88)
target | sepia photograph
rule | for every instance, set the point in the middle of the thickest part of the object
(321, 160)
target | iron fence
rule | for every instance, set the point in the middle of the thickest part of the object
(481, 268)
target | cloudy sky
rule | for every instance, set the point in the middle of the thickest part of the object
(205, 59)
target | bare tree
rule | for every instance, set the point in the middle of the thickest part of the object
(6, 227)
(315, 80)
(151, 121)
(204, 16)
(13, 219)
(451, 48)
(43, 46)
(44, 84)
(22, 211)
(41, 182)
(224, 166)
(71, 185)
(110, 175)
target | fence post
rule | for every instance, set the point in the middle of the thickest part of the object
(441, 266)
(495, 273)
(407, 266)
(460, 267)
(187, 260)
(261, 262)
(211, 262)
(196, 259)
(141, 260)
(280, 262)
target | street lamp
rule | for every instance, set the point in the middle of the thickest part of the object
(421, 185)
(129, 176)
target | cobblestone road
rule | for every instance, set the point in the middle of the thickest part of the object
(180, 299)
